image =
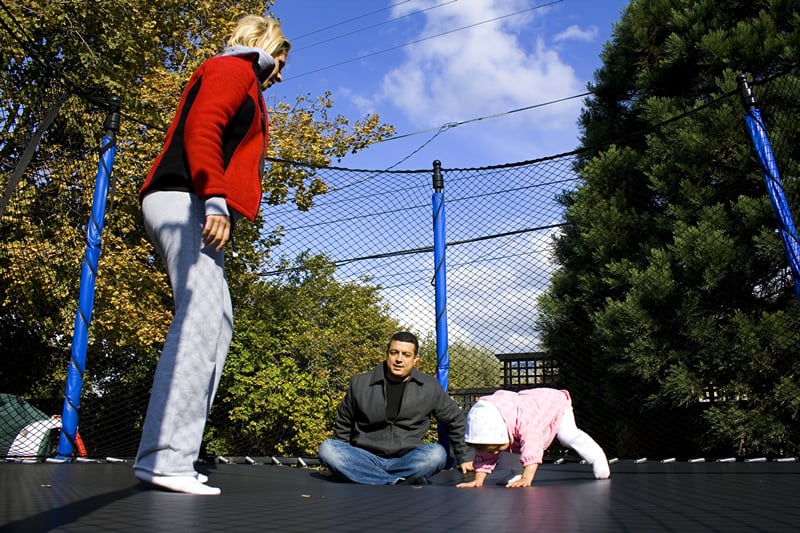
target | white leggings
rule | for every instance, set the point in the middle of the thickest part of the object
(569, 435)
(197, 343)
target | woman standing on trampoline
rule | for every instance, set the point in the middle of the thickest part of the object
(207, 176)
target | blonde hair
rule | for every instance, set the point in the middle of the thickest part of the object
(260, 32)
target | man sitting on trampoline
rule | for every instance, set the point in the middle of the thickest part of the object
(384, 416)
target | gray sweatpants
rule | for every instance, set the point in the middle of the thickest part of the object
(198, 339)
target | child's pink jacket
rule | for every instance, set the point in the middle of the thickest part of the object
(532, 417)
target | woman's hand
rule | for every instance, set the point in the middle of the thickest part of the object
(217, 231)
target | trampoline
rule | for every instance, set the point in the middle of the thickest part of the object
(640, 496)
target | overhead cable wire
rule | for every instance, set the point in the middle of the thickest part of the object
(423, 249)
(446, 127)
(390, 167)
(349, 20)
(371, 26)
(450, 125)
(362, 215)
(422, 39)
(426, 143)
(422, 274)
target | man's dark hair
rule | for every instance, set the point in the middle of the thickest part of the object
(404, 336)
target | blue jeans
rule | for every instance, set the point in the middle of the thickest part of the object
(361, 466)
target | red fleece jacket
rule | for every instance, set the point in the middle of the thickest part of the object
(216, 143)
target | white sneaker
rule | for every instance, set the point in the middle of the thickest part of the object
(184, 484)
(202, 478)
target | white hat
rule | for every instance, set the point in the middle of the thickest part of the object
(485, 424)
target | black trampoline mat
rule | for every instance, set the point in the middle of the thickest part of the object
(645, 497)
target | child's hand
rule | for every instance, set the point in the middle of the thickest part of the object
(474, 484)
(526, 479)
(518, 481)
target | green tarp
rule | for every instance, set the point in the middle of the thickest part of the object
(24, 429)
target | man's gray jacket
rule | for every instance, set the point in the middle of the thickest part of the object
(361, 417)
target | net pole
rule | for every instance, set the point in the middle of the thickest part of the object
(777, 196)
(440, 285)
(83, 316)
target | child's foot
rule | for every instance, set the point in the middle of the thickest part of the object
(184, 484)
(601, 469)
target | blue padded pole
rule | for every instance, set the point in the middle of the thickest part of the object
(440, 276)
(772, 177)
(83, 316)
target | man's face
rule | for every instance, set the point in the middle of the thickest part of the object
(400, 360)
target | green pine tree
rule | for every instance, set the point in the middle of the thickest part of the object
(673, 313)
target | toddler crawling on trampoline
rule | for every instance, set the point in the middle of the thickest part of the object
(526, 422)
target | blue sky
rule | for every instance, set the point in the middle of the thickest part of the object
(423, 64)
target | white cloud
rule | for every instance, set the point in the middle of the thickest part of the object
(364, 105)
(499, 315)
(418, 312)
(576, 33)
(485, 69)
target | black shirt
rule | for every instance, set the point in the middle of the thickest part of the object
(394, 395)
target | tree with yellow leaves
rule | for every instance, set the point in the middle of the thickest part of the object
(142, 51)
